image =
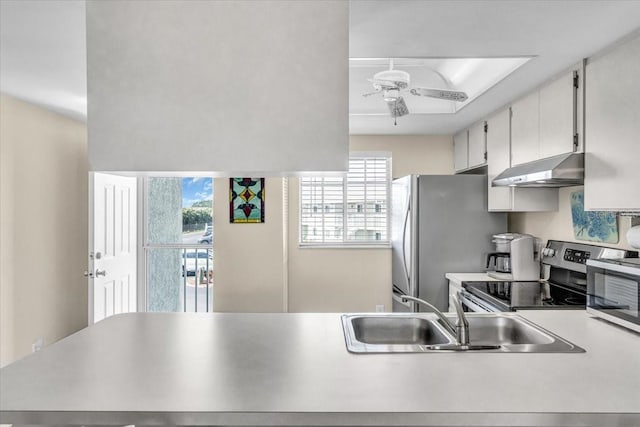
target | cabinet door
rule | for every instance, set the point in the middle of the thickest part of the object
(499, 198)
(525, 130)
(460, 150)
(477, 145)
(612, 129)
(557, 116)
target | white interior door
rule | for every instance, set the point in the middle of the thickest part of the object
(112, 235)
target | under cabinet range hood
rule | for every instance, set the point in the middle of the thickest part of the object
(563, 170)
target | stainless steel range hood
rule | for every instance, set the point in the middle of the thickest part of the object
(563, 170)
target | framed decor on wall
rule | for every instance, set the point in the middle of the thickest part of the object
(246, 200)
(593, 226)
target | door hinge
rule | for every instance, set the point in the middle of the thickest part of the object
(576, 80)
(575, 142)
(485, 156)
(486, 127)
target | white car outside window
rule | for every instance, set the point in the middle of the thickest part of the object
(197, 259)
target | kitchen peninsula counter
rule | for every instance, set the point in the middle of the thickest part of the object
(294, 370)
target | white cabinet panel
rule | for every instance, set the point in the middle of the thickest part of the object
(525, 129)
(498, 153)
(556, 116)
(612, 130)
(477, 145)
(469, 148)
(508, 198)
(460, 150)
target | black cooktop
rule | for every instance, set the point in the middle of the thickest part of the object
(510, 296)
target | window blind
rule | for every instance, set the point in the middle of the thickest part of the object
(351, 210)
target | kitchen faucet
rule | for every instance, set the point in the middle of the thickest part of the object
(460, 329)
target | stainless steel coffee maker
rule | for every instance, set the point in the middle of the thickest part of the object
(514, 258)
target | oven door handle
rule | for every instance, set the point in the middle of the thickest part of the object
(474, 304)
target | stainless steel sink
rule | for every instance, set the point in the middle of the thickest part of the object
(424, 333)
(397, 330)
(506, 330)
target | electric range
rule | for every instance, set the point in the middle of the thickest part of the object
(565, 288)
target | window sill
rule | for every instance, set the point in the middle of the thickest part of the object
(343, 246)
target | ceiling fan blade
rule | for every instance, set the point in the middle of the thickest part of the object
(398, 108)
(371, 93)
(448, 95)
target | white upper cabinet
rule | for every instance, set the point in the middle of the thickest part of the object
(477, 145)
(499, 198)
(558, 109)
(460, 150)
(547, 122)
(498, 159)
(612, 130)
(470, 148)
(525, 135)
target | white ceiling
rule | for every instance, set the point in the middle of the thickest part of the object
(43, 58)
(43, 54)
(558, 33)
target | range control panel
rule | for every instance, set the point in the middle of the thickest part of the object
(580, 257)
(573, 256)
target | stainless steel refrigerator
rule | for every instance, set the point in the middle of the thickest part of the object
(439, 224)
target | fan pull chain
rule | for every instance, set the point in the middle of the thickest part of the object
(395, 105)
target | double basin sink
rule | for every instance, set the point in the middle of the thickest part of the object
(424, 333)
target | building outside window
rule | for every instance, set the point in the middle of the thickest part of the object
(351, 210)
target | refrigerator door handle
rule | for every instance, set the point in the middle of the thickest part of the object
(404, 252)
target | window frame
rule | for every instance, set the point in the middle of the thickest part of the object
(145, 246)
(354, 244)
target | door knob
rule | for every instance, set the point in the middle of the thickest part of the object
(101, 273)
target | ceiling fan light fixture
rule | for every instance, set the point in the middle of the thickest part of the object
(398, 78)
(437, 85)
(391, 95)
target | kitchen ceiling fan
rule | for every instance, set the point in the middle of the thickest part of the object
(390, 83)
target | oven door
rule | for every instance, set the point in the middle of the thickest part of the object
(471, 303)
(613, 293)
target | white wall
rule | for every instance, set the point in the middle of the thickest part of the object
(259, 267)
(43, 227)
(351, 280)
(412, 154)
(248, 262)
(558, 225)
(218, 86)
(334, 280)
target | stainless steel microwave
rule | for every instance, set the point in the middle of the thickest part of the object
(613, 290)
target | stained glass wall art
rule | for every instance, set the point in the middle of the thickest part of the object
(246, 200)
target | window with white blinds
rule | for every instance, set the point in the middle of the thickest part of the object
(348, 211)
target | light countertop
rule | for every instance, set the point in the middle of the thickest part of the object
(458, 278)
(294, 369)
